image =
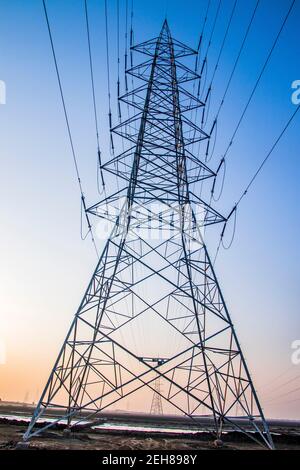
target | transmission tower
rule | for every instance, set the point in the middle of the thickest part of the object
(155, 274)
(156, 404)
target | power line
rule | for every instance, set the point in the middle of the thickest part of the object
(201, 37)
(223, 42)
(197, 60)
(108, 78)
(237, 58)
(130, 48)
(213, 28)
(99, 163)
(222, 161)
(204, 63)
(284, 395)
(270, 382)
(255, 176)
(259, 78)
(126, 45)
(287, 382)
(268, 156)
(118, 51)
(285, 402)
(119, 110)
(68, 123)
(62, 98)
(239, 122)
(91, 71)
(208, 94)
(131, 35)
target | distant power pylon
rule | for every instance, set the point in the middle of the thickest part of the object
(156, 262)
(156, 404)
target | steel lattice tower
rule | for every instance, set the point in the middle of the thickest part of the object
(156, 404)
(168, 279)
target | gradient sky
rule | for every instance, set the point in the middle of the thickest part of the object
(45, 266)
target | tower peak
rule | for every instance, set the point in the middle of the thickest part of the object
(165, 30)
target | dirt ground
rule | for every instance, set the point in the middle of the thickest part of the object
(11, 434)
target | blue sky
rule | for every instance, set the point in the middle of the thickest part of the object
(45, 265)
